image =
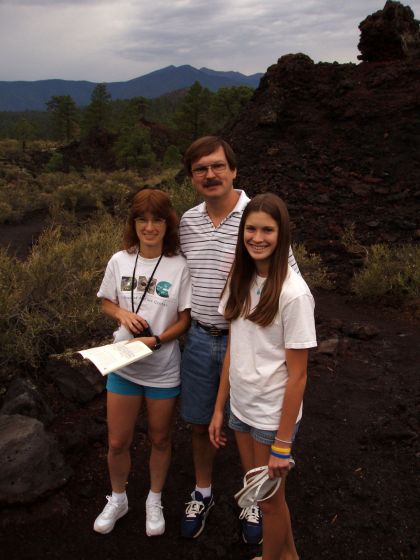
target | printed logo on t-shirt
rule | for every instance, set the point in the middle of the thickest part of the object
(143, 283)
(126, 283)
(162, 288)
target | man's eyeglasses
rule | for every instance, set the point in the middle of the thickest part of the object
(202, 170)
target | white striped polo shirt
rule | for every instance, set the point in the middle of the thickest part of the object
(210, 252)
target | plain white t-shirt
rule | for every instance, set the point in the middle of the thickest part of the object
(258, 372)
(169, 292)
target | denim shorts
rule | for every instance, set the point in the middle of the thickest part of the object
(117, 384)
(262, 436)
(201, 365)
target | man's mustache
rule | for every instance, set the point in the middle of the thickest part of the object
(212, 182)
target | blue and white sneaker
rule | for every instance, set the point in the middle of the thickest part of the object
(195, 515)
(251, 525)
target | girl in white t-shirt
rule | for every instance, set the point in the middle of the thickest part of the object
(271, 314)
(147, 290)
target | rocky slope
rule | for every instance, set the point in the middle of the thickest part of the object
(340, 142)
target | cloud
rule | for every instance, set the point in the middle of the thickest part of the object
(110, 40)
(51, 3)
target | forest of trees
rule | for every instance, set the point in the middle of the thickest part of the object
(137, 131)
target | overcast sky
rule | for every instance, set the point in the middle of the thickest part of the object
(104, 40)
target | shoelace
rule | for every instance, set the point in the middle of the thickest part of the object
(194, 508)
(154, 511)
(251, 514)
(109, 509)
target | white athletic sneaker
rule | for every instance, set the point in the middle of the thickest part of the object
(155, 522)
(105, 521)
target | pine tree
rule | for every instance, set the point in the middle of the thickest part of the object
(64, 116)
(97, 115)
(193, 118)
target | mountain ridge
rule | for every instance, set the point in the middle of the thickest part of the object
(21, 95)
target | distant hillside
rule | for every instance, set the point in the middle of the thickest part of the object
(21, 96)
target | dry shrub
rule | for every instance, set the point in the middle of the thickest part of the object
(49, 301)
(10, 299)
(183, 195)
(93, 190)
(390, 273)
(9, 146)
(19, 194)
(63, 193)
(312, 268)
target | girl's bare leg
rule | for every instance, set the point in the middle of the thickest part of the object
(246, 450)
(122, 412)
(278, 543)
(160, 415)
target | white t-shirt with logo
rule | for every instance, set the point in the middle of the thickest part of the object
(168, 293)
(258, 372)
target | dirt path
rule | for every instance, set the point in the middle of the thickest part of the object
(354, 493)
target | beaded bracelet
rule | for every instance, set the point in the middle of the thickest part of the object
(283, 440)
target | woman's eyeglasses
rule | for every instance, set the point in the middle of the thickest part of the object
(155, 221)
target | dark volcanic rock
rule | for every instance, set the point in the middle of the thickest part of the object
(23, 398)
(390, 34)
(30, 462)
(76, 379)
(339, 143)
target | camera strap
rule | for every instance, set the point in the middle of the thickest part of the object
(147, 285)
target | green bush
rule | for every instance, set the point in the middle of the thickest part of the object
(133, 149)
(312, 268)
(172, 157)
(55, 162)
(392, 273)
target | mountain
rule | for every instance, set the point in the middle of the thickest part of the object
(21, 95)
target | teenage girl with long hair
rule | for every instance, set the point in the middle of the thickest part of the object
(271, 314)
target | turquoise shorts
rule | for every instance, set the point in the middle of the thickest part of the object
(117, 384)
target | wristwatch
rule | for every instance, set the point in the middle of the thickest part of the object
(158, 343)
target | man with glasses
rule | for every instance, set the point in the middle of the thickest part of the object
(208, 235)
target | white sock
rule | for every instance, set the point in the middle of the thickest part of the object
(119, 497)
(205, 492)
(154, 497)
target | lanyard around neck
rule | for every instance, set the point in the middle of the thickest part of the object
(147, 286)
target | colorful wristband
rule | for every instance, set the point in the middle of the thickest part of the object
(280, 455)
(281, 449)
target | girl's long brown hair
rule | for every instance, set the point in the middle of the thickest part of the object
(243, 269)
(159, 205)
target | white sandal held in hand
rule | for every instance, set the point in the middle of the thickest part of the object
(258, 486)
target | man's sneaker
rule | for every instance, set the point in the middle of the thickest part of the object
(251, 524)
(195, 515)
(105, 522)
(155, 522)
